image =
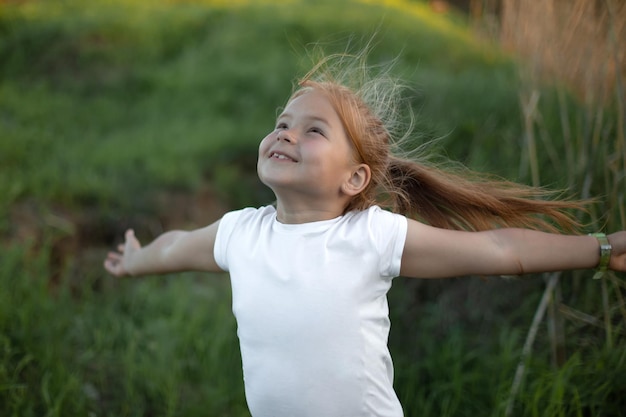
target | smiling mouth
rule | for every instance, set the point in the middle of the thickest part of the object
(281, 157)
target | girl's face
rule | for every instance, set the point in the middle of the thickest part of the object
(308, 153)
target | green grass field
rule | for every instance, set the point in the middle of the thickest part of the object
(148, 114)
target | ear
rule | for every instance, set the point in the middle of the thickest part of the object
(359, 179)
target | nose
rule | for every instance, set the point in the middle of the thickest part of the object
(285, 135)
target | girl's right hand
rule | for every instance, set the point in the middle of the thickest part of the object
(116, 263)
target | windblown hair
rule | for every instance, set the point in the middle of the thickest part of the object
(369, 106)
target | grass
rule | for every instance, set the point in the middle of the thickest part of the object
(116, 348)
(111, 88)
(104, 109)
(167, 346)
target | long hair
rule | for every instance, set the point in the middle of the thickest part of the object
(369, 103)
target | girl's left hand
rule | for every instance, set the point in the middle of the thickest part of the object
(618, 253)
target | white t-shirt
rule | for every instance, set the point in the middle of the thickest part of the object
(311, 307)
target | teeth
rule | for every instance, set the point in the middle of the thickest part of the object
(279, 156)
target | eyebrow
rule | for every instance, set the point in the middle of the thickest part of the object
(311, 117)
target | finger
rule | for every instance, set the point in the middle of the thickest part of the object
(114, 267)
(120, 247)
(114, 256)
(131, 240)
(112, 259)
(111, 266)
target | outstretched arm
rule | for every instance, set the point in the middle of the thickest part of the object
(438, 253)
(174, 251)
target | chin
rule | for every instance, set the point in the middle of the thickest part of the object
(270, 182)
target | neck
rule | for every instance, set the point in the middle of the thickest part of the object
(289, 211)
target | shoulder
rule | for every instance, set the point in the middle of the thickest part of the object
(246, 220)
(377, 218)
(384, 232)
(379, 226)
(248, 215)
(238, 226)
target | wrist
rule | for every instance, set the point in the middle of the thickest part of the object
(605, 249)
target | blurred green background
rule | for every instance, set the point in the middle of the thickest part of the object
(148, 114)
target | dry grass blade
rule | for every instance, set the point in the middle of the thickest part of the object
(572, 313)
(530, 340)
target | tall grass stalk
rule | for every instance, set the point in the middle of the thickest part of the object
(520, 371)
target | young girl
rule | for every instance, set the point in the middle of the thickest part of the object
(310, 275)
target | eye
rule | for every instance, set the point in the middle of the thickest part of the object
(281, 126)
(317, 130)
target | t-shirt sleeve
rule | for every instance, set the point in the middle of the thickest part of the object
(225, 231)
(388, 231)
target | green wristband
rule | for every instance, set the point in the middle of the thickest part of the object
(605, 254)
